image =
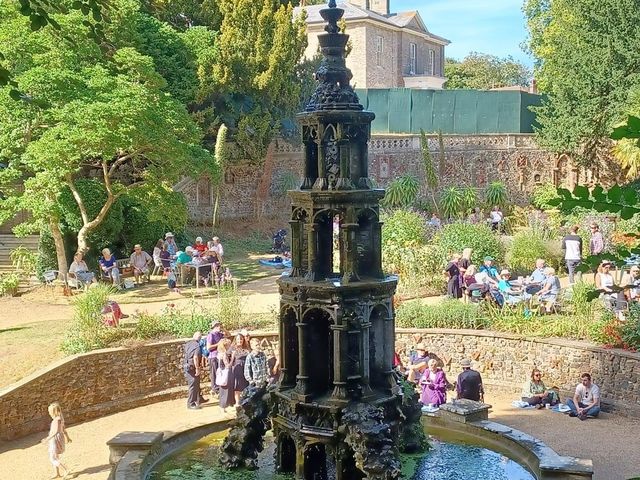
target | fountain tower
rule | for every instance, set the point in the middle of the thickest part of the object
(338, 406)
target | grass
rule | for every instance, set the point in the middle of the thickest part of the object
(28, 348)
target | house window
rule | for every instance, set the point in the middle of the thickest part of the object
(379, 50)
(432, 62)
(413, 57)
(203, 192)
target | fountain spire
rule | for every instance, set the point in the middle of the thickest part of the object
(338, 405)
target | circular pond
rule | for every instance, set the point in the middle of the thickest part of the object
(448, 459)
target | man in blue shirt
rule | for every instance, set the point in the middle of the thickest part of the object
(537, 278)
(489, 268)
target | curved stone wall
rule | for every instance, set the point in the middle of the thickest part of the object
(506, 360)
(102, 382)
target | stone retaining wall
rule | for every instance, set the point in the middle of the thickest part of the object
(103, 382)
(505, 362)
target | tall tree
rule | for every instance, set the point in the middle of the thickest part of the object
(254, 83)
(89, 116)
(481, 71)
(587, 59)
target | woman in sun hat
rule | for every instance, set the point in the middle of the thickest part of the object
(170, 243)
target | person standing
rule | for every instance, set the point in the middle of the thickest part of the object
(226, 357)
(572, 248)
(596, 244)
(586, 399)
(192, 370)
(213, 340)
(57, 439)
(454, 289)
(495, 218)
(240, 351)
(256, 371)
(469, 384)
(217, 246)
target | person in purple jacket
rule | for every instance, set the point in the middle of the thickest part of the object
(434, 385)
(214, 337)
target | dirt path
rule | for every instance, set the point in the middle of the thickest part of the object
(610, 441)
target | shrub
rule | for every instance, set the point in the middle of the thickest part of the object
(230, 309)
(630, 329)
(151, 326)
(449, 314)
(87, 331)
(457, 236)
(24, 260)
(543, 194)
(9, 283)
(452, 202)
(403, 228)
(606, 330)
(525, 248)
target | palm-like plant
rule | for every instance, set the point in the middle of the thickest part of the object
(469, 198)
(495, 194)
(401, 192)
(452, 201)
(627, 153)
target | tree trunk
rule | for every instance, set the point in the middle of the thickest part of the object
(59, 243)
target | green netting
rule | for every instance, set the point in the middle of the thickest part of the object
(400, 110)
(403, 110)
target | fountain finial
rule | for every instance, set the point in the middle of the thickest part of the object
(332, 4)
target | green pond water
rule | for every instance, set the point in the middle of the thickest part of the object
(446, 460)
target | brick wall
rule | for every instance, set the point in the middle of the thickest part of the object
(103, 382)
(474, 160)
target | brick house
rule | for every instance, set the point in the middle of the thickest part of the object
(389, 49)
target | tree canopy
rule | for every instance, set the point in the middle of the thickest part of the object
(481, 71)
(87, 115)
(587, 62)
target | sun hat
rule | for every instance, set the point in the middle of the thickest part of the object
(421, 346)
(465, 363)
(198, 239)
(215, 323)
(504, 271)
(168, 234)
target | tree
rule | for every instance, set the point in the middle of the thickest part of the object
(90, 116)
(587, 61)
(481, 71)
(254, 84)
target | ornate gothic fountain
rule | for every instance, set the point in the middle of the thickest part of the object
(338, 406)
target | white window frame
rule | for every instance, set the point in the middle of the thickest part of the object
(432, 62)
(379, 49)
(413, 58)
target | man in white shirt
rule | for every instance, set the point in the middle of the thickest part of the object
(572, 247)
(586, 400)
(217, 246)
(496, 217)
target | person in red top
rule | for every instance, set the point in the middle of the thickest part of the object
(200, 246)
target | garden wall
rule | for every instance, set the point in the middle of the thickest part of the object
(103, 382)
(472, 160)
(505, 362)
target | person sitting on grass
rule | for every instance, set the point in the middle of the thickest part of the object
(141, 263)
(256, 370)
(534, 391)
(550, 290)
(586, 399)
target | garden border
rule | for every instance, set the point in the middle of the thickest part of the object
(103, 382)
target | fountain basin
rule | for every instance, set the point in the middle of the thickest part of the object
(451, 439)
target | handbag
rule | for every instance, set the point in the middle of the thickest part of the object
(222, 376)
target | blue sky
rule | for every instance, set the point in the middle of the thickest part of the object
(488, 26)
